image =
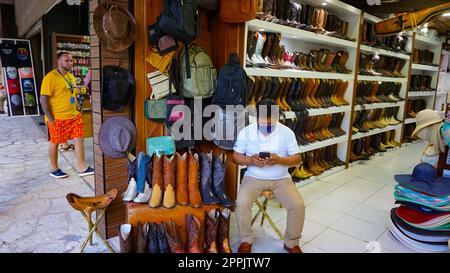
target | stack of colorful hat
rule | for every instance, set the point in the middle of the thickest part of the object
(422, 222)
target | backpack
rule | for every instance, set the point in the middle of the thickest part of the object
(231, 85)
(180, 19)
(118, 88)
(202, 82)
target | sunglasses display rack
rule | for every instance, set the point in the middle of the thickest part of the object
(377, 70)
(423, 80)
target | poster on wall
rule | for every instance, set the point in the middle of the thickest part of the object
(18, 78)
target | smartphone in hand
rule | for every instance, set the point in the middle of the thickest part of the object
(264, 155)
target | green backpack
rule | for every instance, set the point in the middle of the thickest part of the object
(202, 82)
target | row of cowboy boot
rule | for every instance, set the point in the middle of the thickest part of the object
(421, 83)
(316, 162)
(217, 231)
(389, 42)
(372, 92)
(424, 56)
(151, 238)
(366, 120)
(415, 106)
(409, 129)
(378, 65)
(364, 148)
(303, 16)
(319, 128)
(298, 94)
(140, 177)
(264, 50)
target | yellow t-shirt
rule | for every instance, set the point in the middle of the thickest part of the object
(62, 100)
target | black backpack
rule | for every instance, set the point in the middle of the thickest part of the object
(118, 88)
(180, 19)
(231, 85)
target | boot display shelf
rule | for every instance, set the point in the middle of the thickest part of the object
(382, 79)
(377, 105)
(425, 67)
(380, 51)
(377, 131)
(421, 93)
(410, 120)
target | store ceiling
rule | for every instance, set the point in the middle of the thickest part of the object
(441, 23)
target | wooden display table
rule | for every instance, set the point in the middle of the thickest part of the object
(143, 213)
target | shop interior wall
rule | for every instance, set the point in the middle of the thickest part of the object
(8, 27)
(64, 19)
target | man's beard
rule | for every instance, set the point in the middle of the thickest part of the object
(67, 69)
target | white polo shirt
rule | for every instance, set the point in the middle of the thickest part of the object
(281, 141)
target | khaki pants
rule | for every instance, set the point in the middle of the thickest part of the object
(2, 101)
(284, 192)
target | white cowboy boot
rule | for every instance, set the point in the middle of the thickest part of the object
(257, 57)
(131, 192)
(144, 197)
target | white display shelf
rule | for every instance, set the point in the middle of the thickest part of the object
(293, 73)
(298, 34)
(321, 144)
(421, 93)
(319, 111)
(310, 180)
(382, 79)
(376, 131)
(371, 18)
(410, 120)
(384, 52)
(426, 40)
(425, 67)
(378, 105)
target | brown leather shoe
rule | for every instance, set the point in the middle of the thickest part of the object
(245, 248)
(294, 249)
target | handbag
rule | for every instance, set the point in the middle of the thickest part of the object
(162, 63)
(162, 145)
(166, 44)
(156, 109)
(237, 11)
(161, 86)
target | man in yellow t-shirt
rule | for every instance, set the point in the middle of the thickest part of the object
(59, 103)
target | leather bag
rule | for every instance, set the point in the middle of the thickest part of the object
(237, 11)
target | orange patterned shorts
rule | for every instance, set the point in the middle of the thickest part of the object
(63, 130)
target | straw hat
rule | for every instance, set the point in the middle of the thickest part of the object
(426, 118)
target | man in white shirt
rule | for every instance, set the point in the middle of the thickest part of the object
(268, 137)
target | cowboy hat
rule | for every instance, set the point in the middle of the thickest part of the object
(117, 136)
(426, 118)
(424, 179)
(115, 26)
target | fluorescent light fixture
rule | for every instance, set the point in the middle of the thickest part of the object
(447, 14)
(324, 4)
(261, 29)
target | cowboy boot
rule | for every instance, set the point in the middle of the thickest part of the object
(172, 238)
(212, 223)
(192, 234)
(195, 199)
(219, 169)
(208, 195)
(223, 232)
(156, 198)
(260, 9)
(152, 238)
(181, 187)
(162, 239)
(170, 168)
(141, 242)
(125, 234)
(257, 57)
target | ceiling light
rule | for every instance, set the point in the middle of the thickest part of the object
(324, 4)
(446, 14)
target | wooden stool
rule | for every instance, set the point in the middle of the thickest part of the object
(87, 205)
(263, 209)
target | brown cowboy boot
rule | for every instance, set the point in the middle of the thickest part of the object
(141, 242)
(195, 198)
(182, 180)
(156, 198)
(223, 232)
(212, 223)
(192, 234)
(172, 238)
(125, 238)
(170, 168)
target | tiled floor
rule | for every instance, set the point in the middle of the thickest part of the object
(345, 212)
